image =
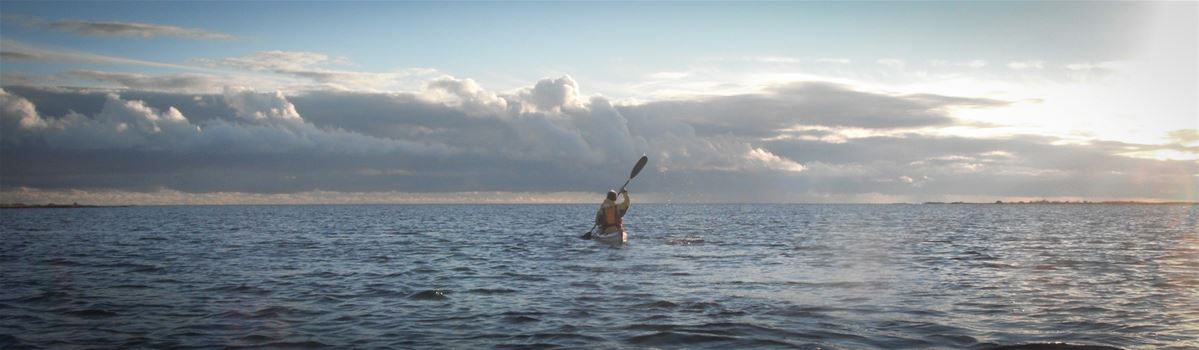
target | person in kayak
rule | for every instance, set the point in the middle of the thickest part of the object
(610, 215)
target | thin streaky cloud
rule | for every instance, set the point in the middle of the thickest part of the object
(16, 50)
(119, 28)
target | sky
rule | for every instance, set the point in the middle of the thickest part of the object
(496, 102)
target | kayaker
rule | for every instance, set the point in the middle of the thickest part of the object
(610, 215)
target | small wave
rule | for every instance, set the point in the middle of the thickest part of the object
(526, 277)
(527, 346)
(240, 288)
(956, 340)
(372, 292)
(1050, 346)
(567, 335)
(422, 270)
(1083, 310)
(149, 269)
(61, 262)
(432, 294)
(589, 268)
(520, 319)
(837, 284)
(310, 344)
(54, 295)
(677, 338)
(492, 291)
(997, 265)
(685, 241)
(703, 305)
(273, 312)
(256, 338)
(130, 286)
(660, 304)
(233, 314)
(91, 313)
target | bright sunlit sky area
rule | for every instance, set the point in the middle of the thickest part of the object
(352, 102)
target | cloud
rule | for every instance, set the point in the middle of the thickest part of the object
(1184, 136)
(125, 29)
(185, 82)
(316, 67)
(259, 107)
(1089, 66)
(968, 64)
(806, 141)
(553, 95)
(274, 61)
(813, 103)
(772, 161)
(17, 117)
(1022, 65)
(891, 62)
(16, 50)
(263, 123)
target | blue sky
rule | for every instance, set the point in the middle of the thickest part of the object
(1118, 77)
(473, 39)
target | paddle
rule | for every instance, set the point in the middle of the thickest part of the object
(636, 170)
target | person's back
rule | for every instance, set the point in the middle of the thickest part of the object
(610, 216)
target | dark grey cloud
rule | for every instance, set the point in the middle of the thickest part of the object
(20, 55)
(131, 29)
(809, 104)
(454, 136)
(16, 50)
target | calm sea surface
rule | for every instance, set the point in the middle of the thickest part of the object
(691, 276)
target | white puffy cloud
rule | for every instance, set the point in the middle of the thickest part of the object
(122, 124)
(254, 106)
(553, 95)
(262, 123)
(773, 161)
(19, 113)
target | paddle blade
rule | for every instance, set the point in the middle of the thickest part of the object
(640, 165)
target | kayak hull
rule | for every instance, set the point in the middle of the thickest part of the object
(611, 237)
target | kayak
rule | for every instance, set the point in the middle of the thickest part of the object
(612, 237)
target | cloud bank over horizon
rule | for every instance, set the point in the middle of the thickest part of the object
(802, 142)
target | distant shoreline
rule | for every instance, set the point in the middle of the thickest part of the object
(1070, 202)
(56, 206)
(76, 205)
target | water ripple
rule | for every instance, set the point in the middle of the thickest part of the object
(692, 276)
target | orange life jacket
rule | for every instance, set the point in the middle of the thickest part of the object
(612, 216)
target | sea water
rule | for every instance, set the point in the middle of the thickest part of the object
(516, 276)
